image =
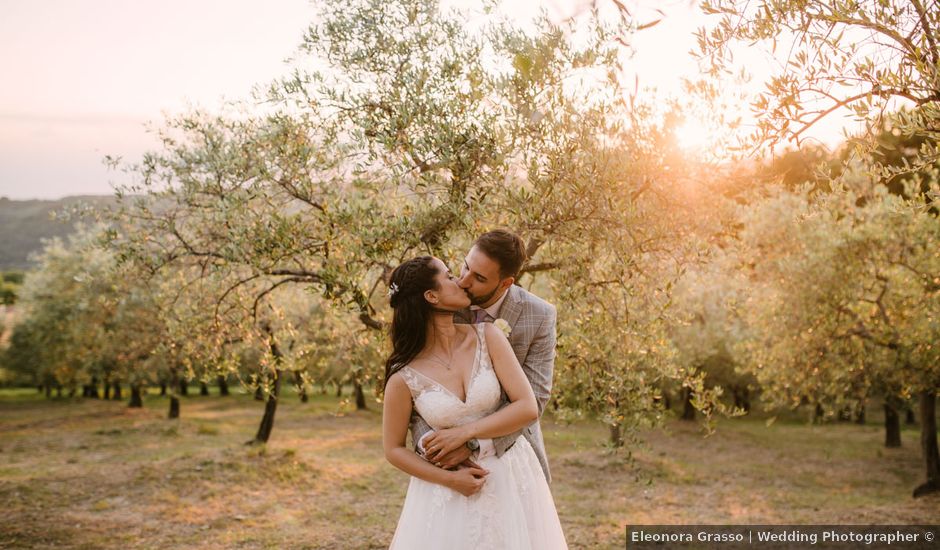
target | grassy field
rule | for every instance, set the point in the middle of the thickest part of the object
(96, 474)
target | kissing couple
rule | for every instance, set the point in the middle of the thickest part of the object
(469, 374)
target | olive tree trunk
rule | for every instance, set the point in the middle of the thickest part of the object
(688, 411)
(301, 389)
(616, 436)
(360, 396)
(137, 400)
(742, 398)
(860, 412)
(174, 411)
(928, 443)
(270, 406)
(892, 422)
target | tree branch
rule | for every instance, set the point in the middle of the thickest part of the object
(308, 276)
(370, 322)
(225, 294)
(265, 292)
(533, 246)
(192, 251)
(535, 268)
(871, 25)
(928, 33)
(880, 92)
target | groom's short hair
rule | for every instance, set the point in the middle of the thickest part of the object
(505, 248)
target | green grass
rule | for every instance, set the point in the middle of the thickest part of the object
(86, 473)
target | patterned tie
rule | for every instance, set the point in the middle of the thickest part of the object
(480, 317)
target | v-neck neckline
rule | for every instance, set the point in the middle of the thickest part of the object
(473, 371)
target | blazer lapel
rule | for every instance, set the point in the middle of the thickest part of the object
(512, 307)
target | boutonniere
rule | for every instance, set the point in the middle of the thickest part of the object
(503, 325)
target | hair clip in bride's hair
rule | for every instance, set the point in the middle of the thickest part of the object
(392, 290)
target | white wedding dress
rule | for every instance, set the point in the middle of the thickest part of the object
(513, 510)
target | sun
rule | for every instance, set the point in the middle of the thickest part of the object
(694, 136)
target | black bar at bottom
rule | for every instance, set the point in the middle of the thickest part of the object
(733, 537)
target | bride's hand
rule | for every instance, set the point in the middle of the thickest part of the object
(467, 481)
(454, 458)
(442, 442)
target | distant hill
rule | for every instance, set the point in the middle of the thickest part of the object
(23, 225)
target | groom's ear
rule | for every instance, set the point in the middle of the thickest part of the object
(507, 282)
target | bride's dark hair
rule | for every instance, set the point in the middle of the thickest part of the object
(412, 312)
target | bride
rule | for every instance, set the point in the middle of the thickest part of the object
(453, 375)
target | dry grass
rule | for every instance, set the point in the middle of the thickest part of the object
(95, 474)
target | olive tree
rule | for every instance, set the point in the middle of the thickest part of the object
(841, 300)
(870, 58)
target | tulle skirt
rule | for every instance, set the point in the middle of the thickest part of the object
(513, 510)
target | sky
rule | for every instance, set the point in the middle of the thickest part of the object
(81, 79)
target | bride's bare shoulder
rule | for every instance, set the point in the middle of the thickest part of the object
(397, 383)
(491, 331)
(397, 377)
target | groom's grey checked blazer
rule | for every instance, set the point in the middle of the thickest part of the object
(532, 338)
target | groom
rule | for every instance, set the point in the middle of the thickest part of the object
(487, 276)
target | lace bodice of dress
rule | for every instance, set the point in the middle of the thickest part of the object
(440, 408)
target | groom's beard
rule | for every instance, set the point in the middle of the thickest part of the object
(477, 300)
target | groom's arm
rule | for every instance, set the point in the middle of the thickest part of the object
(538, 367)
(419, 428)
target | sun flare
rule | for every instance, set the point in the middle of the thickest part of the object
(694, 136)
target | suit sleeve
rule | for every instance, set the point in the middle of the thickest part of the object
(538, 367)
(540, 361)
(418, 428)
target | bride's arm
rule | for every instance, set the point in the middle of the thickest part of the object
(519, 413)
(396, 415)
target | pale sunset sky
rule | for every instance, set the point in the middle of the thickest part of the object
(81, 78)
